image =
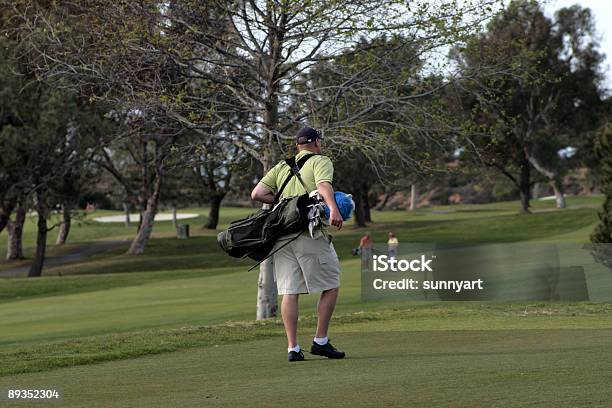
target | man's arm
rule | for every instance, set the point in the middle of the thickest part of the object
(327, 192)
(263, 195)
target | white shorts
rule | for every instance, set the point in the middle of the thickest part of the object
(305, 265)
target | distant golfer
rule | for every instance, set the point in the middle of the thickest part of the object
(392, 244)
(365, 249)
(306, 265)
(365, 242)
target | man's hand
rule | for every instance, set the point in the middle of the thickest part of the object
(335, 218)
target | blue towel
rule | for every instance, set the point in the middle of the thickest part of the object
(345, 204)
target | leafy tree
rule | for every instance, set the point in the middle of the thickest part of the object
(112, 53)
(216, 172)
(11, 168)
(50, 153)
(43, 147)
(414, 134)
(603, 230)
(520, 122)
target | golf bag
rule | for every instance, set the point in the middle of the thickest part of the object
(255, 235)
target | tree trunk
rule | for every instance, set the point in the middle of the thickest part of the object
(536, 191)
(64, 227)
(367, 215)
(525, 186)
(557, 186)
(381, 206)
(147, 219)
(267, 297)
(413, 197)
(3, 219)
(41, 244)
(174, 222)
(145, 193)
(15, 235)
(6, 209)
(267, 292)
(126, 209)
(213, 214)
(556, 181)
(359, 209)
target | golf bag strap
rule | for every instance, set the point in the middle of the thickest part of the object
(295, 171)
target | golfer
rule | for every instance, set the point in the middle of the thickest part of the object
(306, 265)
(392, 243)
(365, 249)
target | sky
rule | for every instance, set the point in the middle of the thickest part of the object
(602, 12)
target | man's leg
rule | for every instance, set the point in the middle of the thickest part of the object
(319, 263)
(320, 344)
(289, 313)
(325, 309)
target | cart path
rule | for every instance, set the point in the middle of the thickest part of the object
(73, 255)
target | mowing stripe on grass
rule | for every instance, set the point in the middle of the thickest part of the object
(425, 318)
(94, 349)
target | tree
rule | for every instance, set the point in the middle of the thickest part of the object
(48, 146)
(42, 150)
(69, 187)
(522, 121)
(413, 133)
(137, 157)
(56, 150)
(112, 53)
(15, 104)
(603, 231)
(218, 166)
(263, 58)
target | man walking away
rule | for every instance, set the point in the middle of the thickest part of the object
(305, 265)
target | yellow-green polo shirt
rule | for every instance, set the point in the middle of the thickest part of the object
(317, 169)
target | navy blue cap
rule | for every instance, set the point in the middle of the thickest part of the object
(307, 135)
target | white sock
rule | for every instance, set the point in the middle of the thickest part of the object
(321, 341)
(296, 349)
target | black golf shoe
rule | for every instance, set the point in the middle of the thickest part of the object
(295, 356)
(327, 350)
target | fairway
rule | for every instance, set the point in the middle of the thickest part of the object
(455, 368)
(174, 327)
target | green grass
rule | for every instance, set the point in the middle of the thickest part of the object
(202, 297)
(20, 289)
(498, 222)
(85, 229)
(453, 355)
(177, 325)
